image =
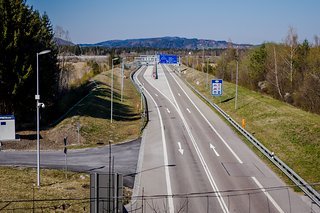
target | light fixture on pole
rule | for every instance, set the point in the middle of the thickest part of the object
(112, 88)
(37, 97)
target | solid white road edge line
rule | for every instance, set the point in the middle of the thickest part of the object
(204, 164)
(227, 145)
(268, 195)
(165, 155)
(235, 155)
(188, 110)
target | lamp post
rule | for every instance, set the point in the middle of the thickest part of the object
(237, 79)
(112, 87)
(122, 78)
(207, 83)
(37, 97)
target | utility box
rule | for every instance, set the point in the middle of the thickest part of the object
(7, 128)
(106, 193)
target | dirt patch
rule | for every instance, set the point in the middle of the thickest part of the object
(51, 139)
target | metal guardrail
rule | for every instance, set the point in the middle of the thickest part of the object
(145, 114)
(292, 175)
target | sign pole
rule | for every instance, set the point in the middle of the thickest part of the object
(65, 156)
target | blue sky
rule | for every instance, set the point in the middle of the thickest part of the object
(241, 21)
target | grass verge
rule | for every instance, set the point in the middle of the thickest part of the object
(56, 193)
(292, 134)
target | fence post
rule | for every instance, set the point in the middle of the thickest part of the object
(142, 199)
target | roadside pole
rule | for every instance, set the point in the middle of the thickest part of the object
(122, 76)
(65, 156)
(78, 131)
(237, 77)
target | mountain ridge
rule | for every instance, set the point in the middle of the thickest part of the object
(167, 42)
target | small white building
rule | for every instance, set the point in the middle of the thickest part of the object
(7, 128)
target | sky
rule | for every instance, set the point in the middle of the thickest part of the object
(240, 21)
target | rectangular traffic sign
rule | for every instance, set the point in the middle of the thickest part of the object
(216, 87)
(168, 59)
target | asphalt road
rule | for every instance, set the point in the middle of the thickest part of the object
(83, 160)
(191, 161)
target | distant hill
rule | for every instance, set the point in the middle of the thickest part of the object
(62, 42)
(167, 43)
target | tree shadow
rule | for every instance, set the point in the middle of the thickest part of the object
(98, 105)
(227, 100)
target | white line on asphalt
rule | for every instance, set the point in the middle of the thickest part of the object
(204, 164)
(227, 145)
(214, 149)
(268, 195)
(179, 94)
(188, 110)
(168, 110)
(235, 155)
(165, 156)
(156, 94)
(180, 148)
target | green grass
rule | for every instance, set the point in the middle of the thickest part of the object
(292, 134)
(93, 114)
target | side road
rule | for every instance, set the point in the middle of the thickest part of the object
(81, 160)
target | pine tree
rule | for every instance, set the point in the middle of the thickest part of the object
(23, 33)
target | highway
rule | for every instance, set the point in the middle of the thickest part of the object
(191, 161)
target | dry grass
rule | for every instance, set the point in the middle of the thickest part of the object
(57, 193)
(19, 185)
(93, 115)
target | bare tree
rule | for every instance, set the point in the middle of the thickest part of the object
(273, 77)
(276, 72)
(65, 68)
(292, 43)
(59, 32)
(316, 41)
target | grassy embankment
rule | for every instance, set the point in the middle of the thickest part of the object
(292, 134)
(93, 114)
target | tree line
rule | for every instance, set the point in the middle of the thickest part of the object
(23, 34)
(288, 71)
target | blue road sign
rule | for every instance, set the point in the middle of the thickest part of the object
(216, 87)
(168, 59)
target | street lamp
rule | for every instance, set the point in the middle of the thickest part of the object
(237, 79)
(37, 97)
(122, 78)
(112, 87)
(207, 83)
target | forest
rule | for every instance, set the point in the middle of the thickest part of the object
(23, 34)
